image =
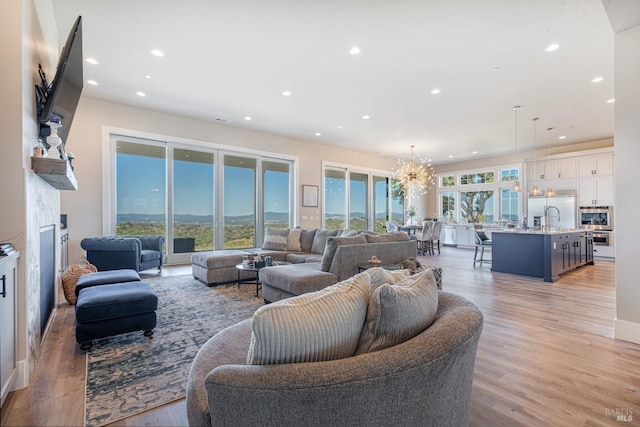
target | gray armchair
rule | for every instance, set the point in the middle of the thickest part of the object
(117, 252)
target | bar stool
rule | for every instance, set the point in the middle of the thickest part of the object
(482, 241)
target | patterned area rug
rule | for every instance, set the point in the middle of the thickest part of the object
(129, 374)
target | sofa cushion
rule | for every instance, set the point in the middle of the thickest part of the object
(275, 239)
(218, 259)
(293, 240)
(149, 255)
(297, 279)
(388, 237)
(306, 239)
(379, 276)
(399, 312)
(301, 258)
(320, 240)
(313, 327)
(333, 243)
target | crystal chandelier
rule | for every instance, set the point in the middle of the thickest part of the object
(415, 176)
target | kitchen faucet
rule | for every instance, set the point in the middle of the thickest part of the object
(546, 215)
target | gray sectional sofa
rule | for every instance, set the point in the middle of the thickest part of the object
(317, 258)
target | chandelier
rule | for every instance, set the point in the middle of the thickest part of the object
(415, 176)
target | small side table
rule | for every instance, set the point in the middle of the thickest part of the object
(241, 267)
(368, 265)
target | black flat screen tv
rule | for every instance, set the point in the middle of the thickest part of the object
(64, 92)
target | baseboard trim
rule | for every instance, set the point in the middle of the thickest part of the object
(22, 377)
(627, 331)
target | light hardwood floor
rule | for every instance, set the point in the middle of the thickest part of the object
(547, 356)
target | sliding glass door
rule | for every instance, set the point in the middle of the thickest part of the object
(193, 201)
(199, 198)
(366, 197)
(140, 171)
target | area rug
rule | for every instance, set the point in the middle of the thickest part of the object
(129, 374)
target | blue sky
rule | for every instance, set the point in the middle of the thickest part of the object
(142, 184)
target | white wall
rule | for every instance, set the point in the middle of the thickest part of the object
(84, 207)
(627, 154)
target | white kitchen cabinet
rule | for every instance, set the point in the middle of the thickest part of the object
(595, 165)
(465, 235)
(8, 332)
(595, 191)
(553, 169)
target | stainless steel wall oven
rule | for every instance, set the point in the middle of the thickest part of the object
(596, 217)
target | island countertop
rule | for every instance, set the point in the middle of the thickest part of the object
(551, 231)
(543, 254)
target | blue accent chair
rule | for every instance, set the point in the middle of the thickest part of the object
(124, 252)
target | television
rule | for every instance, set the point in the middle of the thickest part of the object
(61, 98)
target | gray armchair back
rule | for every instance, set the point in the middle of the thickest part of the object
(117, 252)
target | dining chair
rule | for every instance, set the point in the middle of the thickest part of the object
(425, 237)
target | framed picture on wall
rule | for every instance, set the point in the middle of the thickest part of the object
(310, 195)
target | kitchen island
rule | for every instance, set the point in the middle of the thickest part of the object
(542, 254)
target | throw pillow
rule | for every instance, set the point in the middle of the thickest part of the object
(275, 239)
(312, 327)
(306, 239)
(331, 246)
(348, 233)
(320, 240)
(388, 237)
(399, 312)
(293, 240)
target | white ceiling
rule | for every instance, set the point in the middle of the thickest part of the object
(232, 59)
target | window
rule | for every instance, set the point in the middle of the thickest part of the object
(448, 206)
(477, 206)
(509, 175)
(193, 196)
(359, 200)
(198, 196)
(448, 181)
(509, 205)
(140, 197)
(276, 178)
(477, 178)
(335, 202)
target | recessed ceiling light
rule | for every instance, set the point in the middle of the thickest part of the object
(435, 91)
(140, 93)
(318, 134)
(339, 126)
(157, 52)
(451, 156)
(562, 137)
(247, 118)
(366, 117)
(611, 101)
(92, 61)
(473, 152)
(147, 76)
(286, 93)
(552, 47)
(597, 79)
(355, 50)
(92, 82)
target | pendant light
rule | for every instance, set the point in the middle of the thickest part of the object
(549, 192)
(535, 191)
(516, 186)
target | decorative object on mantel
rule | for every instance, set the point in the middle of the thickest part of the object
(39, 150)
(516, 186)
(549, 192)
(535, 191)
(417, 176)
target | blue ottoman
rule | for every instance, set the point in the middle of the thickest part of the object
(106, 278)
(113, 309)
